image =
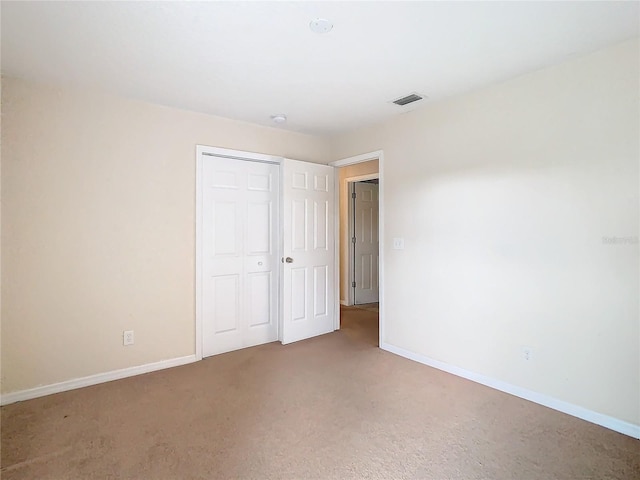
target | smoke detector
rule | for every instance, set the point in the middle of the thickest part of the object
(279, 118)
(321, 25)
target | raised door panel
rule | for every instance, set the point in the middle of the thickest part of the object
(320, 290)
(227, 232)
(299, 223)
(259, 298)
(298, 298)
(321, 225)
(222, 328)
(259, 228)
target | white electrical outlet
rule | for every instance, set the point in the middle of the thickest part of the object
(127, 337)
(398, 243)
(527, 353)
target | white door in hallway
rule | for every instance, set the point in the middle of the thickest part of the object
(308, 293)
(366, 243)
(240, 261)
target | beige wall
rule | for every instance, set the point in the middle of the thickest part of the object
(98, 208)
(364, 168)
(503, 197)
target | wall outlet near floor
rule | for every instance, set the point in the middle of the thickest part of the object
(527, 353)
(398, 243)
(127, 337)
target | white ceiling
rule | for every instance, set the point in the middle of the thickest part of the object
(247, 60)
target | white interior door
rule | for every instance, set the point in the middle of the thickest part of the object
(366, 243)
(240, 262)
(308, 293)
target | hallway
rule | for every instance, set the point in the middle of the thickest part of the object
(360, 323)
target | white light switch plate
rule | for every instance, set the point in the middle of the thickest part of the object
(398, 243)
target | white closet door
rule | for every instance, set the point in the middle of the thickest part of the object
(366, 244)
(240, 254)
(309, 250)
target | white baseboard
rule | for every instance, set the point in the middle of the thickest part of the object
(574, 410)
(21, 395)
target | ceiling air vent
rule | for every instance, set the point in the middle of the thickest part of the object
(408, 99)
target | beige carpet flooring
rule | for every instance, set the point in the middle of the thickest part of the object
(330, 407)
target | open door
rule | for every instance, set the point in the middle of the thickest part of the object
(307, 280)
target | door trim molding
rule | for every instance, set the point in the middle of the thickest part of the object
(201, 152)
(364, 157)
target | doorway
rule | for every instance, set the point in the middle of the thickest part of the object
(347, 176)
(351, 170)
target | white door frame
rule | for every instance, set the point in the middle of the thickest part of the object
(365, 157)
(349, 231)
(201, 152)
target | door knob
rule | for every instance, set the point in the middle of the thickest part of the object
(288, 260)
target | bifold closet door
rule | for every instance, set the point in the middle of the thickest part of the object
(240, 254)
